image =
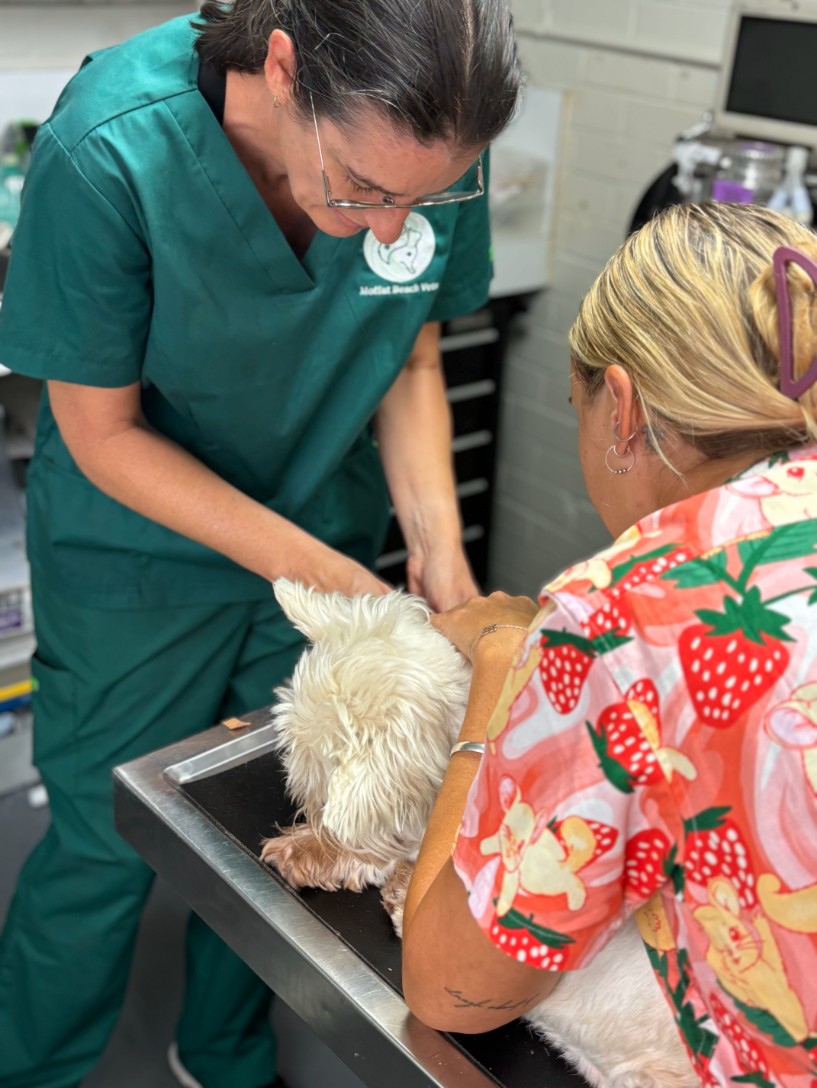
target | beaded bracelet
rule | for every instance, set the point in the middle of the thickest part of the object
(489, 630)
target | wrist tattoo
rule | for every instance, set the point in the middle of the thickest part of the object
(490, 1003)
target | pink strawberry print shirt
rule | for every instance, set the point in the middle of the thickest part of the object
(655, 751)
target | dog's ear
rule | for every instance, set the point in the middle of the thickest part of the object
(313, 613)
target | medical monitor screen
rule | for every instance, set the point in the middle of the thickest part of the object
(773, 74)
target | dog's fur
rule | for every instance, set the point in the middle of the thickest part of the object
(364, 730)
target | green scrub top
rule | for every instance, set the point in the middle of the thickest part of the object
(144, 253)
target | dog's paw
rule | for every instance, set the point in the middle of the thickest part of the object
(394, 891)
(283, 854)
(308, 860)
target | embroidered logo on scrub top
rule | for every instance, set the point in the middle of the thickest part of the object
(408, 257)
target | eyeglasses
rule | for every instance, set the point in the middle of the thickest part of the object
(431, 199)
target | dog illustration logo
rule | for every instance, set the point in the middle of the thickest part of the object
(405, 259)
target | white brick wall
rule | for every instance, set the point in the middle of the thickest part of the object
(636, 73)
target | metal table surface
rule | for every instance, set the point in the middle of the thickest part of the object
(197, 811)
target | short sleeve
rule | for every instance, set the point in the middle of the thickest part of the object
(469, 269)
(570, 824)
(77, 299)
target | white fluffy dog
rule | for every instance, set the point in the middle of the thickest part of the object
(364, 730)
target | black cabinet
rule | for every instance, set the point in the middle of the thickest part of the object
(474, 348)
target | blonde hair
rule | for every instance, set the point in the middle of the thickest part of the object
(688, 307)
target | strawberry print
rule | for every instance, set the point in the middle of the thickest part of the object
(565, 663)
(678, 682)
(705, 1074)
(528, 942)
(649, 859)
(627, 740)
(564, 667)
(606, 837)
(614, 617)
(716, 847)
(748, 1054)
(732, 658)
(611, 618)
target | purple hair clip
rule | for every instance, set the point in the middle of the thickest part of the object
(783, 257)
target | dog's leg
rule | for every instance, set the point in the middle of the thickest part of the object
(307, 860)
(394, 893)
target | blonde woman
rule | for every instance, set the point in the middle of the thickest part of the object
(650, 728)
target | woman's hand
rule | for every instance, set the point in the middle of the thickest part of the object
(443, 580)
(462, 624)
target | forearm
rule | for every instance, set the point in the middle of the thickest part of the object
(413, 428)
(158, 479)
(109, 438)
(490, 669)
(453, 977)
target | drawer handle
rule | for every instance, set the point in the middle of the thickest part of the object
(471, 391)
(459, 341)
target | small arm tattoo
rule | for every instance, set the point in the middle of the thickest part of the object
(463, 1002)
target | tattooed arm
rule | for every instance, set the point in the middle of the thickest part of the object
(454, 978)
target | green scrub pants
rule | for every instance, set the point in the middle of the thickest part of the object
(114, 685)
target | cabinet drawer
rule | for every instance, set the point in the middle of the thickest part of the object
(474, 455)
(470, 357)
(476, 510)
(477, 413)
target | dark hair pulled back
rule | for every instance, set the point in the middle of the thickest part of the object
(439, 69)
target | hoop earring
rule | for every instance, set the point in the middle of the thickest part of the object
(619, 471)
(629, 437)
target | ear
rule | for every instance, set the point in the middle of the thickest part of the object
(313, 613)
(279, 67)
(626, 417)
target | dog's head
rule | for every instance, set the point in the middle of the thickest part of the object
(366, 723)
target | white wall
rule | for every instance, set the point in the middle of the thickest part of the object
(58, 36)
(635, 73)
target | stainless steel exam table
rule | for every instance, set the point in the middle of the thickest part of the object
(197, 811)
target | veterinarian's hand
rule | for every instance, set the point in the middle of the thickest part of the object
(463, 624)
(336, 573)
(443, 580)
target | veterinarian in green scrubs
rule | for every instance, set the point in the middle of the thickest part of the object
(229, 275)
